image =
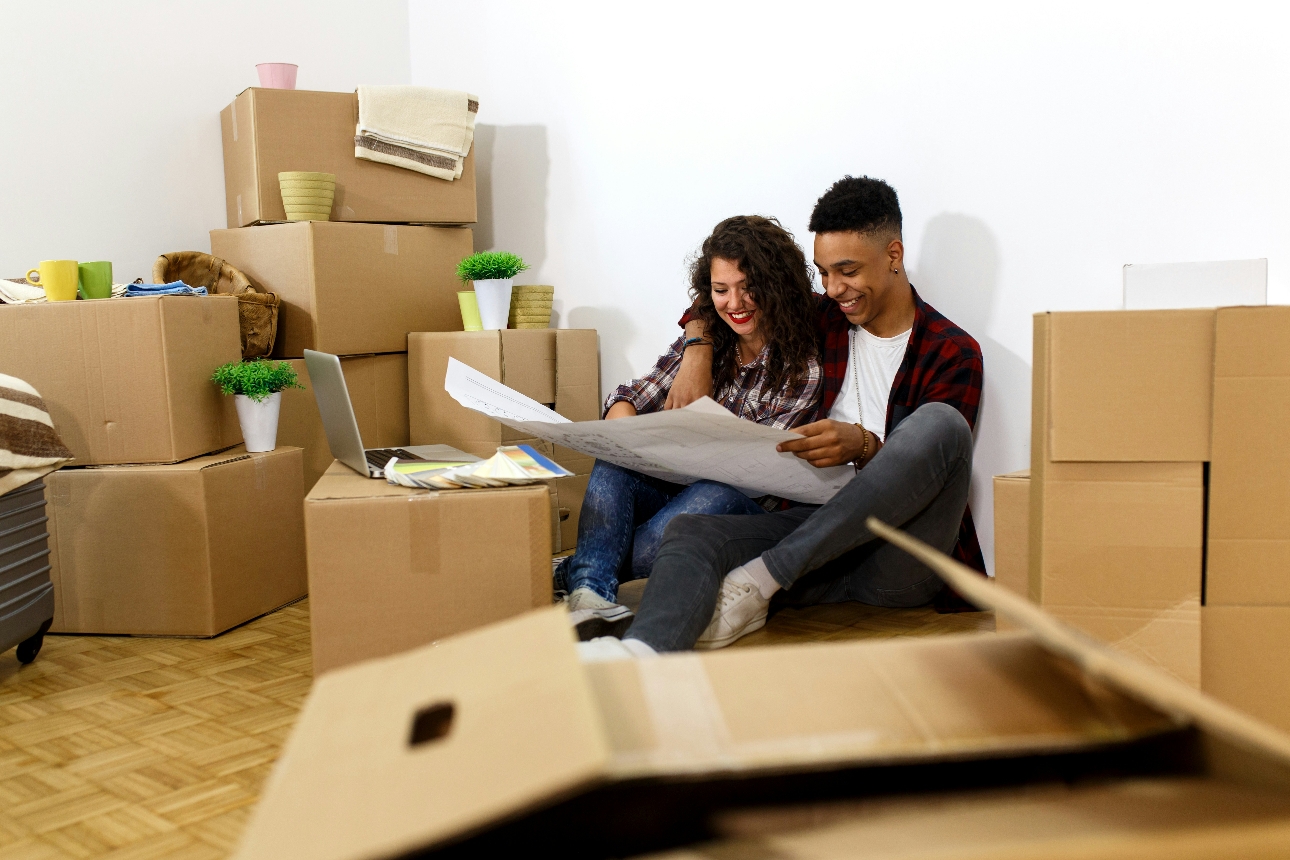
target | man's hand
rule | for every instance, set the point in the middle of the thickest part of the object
(694, 376)
(621, 409)
(829, 443)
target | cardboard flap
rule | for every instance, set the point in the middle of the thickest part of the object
(417, 749)
(1124, 673)
(829, 705)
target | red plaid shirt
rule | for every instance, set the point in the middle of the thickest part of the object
(942, 364)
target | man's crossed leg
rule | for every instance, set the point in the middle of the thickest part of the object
(918, 481)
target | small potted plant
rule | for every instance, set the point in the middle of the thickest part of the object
(257, 388)
(492, 273)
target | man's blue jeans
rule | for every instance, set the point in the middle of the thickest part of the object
(621, 526)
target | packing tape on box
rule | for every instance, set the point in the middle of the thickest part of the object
(239, 209)
(423, 534)
(233, 113)
(688, 723)
(60, 493)
(261, 473)
(391, 239)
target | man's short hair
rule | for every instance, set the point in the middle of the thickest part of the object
(862, 205)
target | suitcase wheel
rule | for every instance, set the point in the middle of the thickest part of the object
(30, 647)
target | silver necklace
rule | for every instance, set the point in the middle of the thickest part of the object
(855, 377)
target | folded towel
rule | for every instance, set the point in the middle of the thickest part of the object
(29, 444)
(16, 291)
(417, 128)
(174, 288)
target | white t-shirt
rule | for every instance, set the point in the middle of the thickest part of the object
(879, 360)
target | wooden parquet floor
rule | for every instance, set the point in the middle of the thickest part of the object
(139, 748)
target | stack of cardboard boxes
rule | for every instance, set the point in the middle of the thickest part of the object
(1154, 515)
(391, 568)
(159, 525)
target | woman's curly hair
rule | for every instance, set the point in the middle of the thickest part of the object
(780, 283)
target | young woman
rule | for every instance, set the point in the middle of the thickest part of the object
(751, 285)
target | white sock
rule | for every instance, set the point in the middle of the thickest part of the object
(757, 571)
(639, 648)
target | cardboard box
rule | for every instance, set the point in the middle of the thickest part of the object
(566, 505)
(1012, 535)
(1245, 659)
(1125, 385)
(1117, 480)
(378, 390)
(269, 131)
(128, 380)
(558, 367)
(352, 289)
(188, 549)
(1249, 489)
(391, 568)
(1040, 744)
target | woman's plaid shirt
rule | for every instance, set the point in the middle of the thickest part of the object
(746, 395)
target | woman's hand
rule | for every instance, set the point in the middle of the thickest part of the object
(830, 443)
(694, 377)
(621, 409)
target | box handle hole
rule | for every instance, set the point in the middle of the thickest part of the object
(431, 723)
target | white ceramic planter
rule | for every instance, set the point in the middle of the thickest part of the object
(259, 421)
(494, 299)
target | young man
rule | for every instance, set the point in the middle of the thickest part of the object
(901, 389)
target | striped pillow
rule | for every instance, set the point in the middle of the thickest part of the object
(28, 440)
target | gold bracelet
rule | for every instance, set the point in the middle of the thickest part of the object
(864, 452)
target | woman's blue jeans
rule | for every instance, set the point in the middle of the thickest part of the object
(622, 521)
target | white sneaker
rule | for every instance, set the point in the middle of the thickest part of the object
(605, 649)
(740, 610)
(592, 616)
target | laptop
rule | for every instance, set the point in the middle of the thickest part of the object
(343, 438)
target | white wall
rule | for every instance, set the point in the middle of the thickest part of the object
(111, 142)
(1036, 149)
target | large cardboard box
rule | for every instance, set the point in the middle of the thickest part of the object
(558, 367)
(1120, 431)
(391, 568)
(1249, 489)
(1036, 744)
(268, 131)
(378, 390)
(187, 549)
(352, 289)
(1245, 659)
(128, 380)
(1012, 535)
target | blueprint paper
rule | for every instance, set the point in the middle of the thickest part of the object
(701, 441)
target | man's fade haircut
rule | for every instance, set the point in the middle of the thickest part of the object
(863, 205)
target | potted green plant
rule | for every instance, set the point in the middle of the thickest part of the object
(492, 272)
(257, 388)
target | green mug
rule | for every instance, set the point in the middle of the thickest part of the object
(96, 280)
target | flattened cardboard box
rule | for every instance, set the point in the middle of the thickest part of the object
(378, 390)
(1115, 542)
(558, 367)
(1012, 535)
(352, 289)
(128, 380)
(391, 568)
(187, 549)
(1249, 489)
(267, 131)
(450, 746)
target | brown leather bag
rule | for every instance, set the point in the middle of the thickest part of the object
(257, 310)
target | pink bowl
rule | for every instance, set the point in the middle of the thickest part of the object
(277, 76)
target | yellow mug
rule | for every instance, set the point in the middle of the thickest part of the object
(58, 278)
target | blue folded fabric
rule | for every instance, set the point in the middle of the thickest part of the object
(174, 288)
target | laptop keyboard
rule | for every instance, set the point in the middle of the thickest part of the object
(378, 457)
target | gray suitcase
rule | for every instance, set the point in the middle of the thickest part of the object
(26, 594)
